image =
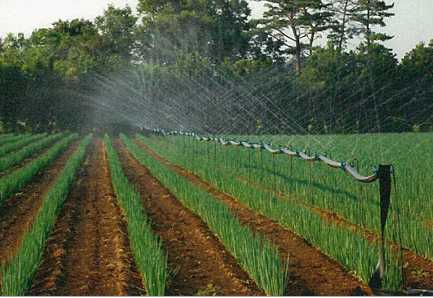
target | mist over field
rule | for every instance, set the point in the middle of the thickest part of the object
(205, 148)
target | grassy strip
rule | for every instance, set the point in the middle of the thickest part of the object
(16, 180)
(146, 247)
(255, 254)
(17, 275)
(12, 146)
(12, 138)
(17, 157)
(351, 250)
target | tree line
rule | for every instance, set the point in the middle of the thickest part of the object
(298, 53)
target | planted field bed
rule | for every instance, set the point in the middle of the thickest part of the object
(19, 211)
(90, 233)
(18, 144)
(203, 266)
(310, 272)
(327, 208)
(14, 181)
(11, 138)
(18, 271)
(173, 215)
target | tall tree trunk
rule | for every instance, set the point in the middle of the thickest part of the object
(298, 56)
(312, 36)
(343, 27)
(298, 50)
(368, 30)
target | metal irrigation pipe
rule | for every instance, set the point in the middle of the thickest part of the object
(383, 174)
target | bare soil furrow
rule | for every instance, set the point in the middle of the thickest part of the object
(310, 271)
(417, 270)
(88, 253)
(199, 263)
(18, 213)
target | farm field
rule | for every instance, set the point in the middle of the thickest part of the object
(172, 215)
(216, 148)
(283, 188)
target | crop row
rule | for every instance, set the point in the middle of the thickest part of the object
(255, 255)
(351, 250)
(13, 182)
(15, 145)
(18, 156)
(411, 157)
(4, 139)
(146, 247)
(17, 274)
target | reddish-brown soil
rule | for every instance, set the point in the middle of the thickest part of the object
(19, 212)
(88, 253)
(198, 261)
(417, 270)
(310, 272)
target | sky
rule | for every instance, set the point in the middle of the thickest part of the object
(412, 24)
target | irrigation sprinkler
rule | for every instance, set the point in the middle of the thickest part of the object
(384, 177)
(249, 164)
(383, 174)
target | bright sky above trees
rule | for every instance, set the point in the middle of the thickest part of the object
(412, 24)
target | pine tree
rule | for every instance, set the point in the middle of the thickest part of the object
(342, 26)
(298, 23)
(369, 14)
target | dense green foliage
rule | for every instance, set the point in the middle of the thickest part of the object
(285, 190)
(60, 77)
(146, 247)
(17, 274)
(43, 78)
(255, 255)
(16, 180)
